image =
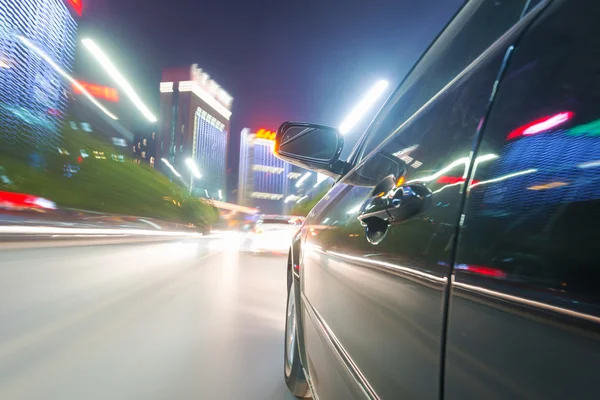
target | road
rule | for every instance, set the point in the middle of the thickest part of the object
(183, 319)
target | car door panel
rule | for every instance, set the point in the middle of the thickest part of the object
(385, 303)
(524, 316)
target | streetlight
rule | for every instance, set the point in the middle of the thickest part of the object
(195, 172)
(114, 73)
(361, 108)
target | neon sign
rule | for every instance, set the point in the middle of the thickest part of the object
(77, 6)
(264, 134)
(98, 91)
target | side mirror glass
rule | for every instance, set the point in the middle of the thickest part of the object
(311, 146)
(377, 168)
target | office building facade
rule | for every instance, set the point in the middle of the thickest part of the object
(37, 45)
(194, 123)
(265, 181)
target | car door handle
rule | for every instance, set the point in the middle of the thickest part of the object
(396, 204)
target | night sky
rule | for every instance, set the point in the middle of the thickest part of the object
(305, 60)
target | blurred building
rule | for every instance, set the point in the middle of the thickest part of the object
(194, 123)
(34, 95)
(265, 181)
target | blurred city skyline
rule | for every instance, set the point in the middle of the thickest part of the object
(265, 57)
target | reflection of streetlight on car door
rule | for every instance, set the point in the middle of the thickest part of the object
(195, 173)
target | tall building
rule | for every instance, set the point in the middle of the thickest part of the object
(265, 181)
(37, 45)
(194, 123)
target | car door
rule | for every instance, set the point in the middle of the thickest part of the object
(373, 295)
(524, 319)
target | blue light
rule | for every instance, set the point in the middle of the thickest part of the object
(33, 96)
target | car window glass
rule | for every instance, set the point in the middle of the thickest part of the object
(532, 212)
(478, 25)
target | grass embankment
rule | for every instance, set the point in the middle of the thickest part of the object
(103, 184)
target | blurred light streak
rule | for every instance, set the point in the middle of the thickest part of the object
(168, 164)
(461, 161)
(361, 108)
(589, 164)
(354, 210)
(526, 302)
(64, 74)
(541, 125)
(51, 230)
(482, 270)
(550, 185)
(408, 271)
(505, 177)
(190, 163)
(118, 78)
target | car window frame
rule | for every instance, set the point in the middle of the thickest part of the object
(355, 159)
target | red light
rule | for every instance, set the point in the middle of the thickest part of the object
(98, 91)
(77, 6)
(481, 270)
(449, 180)
(79, 159)
(541, 125)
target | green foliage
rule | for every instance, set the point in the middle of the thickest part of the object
(103, 184)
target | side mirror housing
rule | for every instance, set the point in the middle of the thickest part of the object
(311, 146)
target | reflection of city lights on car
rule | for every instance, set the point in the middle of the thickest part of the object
(118, 78)
(541, 125)
(461, 161)
(481, 270)
(589, 164)
(504, 177)
(550, 185)
(353, 210)
(64, 74)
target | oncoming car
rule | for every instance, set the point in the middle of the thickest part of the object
(456, 255)
(272, 234)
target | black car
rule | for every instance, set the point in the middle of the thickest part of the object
(456, 255)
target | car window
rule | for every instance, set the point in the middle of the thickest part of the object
(532, 211)
(478, 25)
(525, 301)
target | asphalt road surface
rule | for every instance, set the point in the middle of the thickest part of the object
(184, 319)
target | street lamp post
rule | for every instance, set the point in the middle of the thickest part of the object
(194, 173)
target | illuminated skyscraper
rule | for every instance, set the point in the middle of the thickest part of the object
(265, 181)
(194, 122)
(33, 94)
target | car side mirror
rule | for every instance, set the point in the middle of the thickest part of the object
(311, 146)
